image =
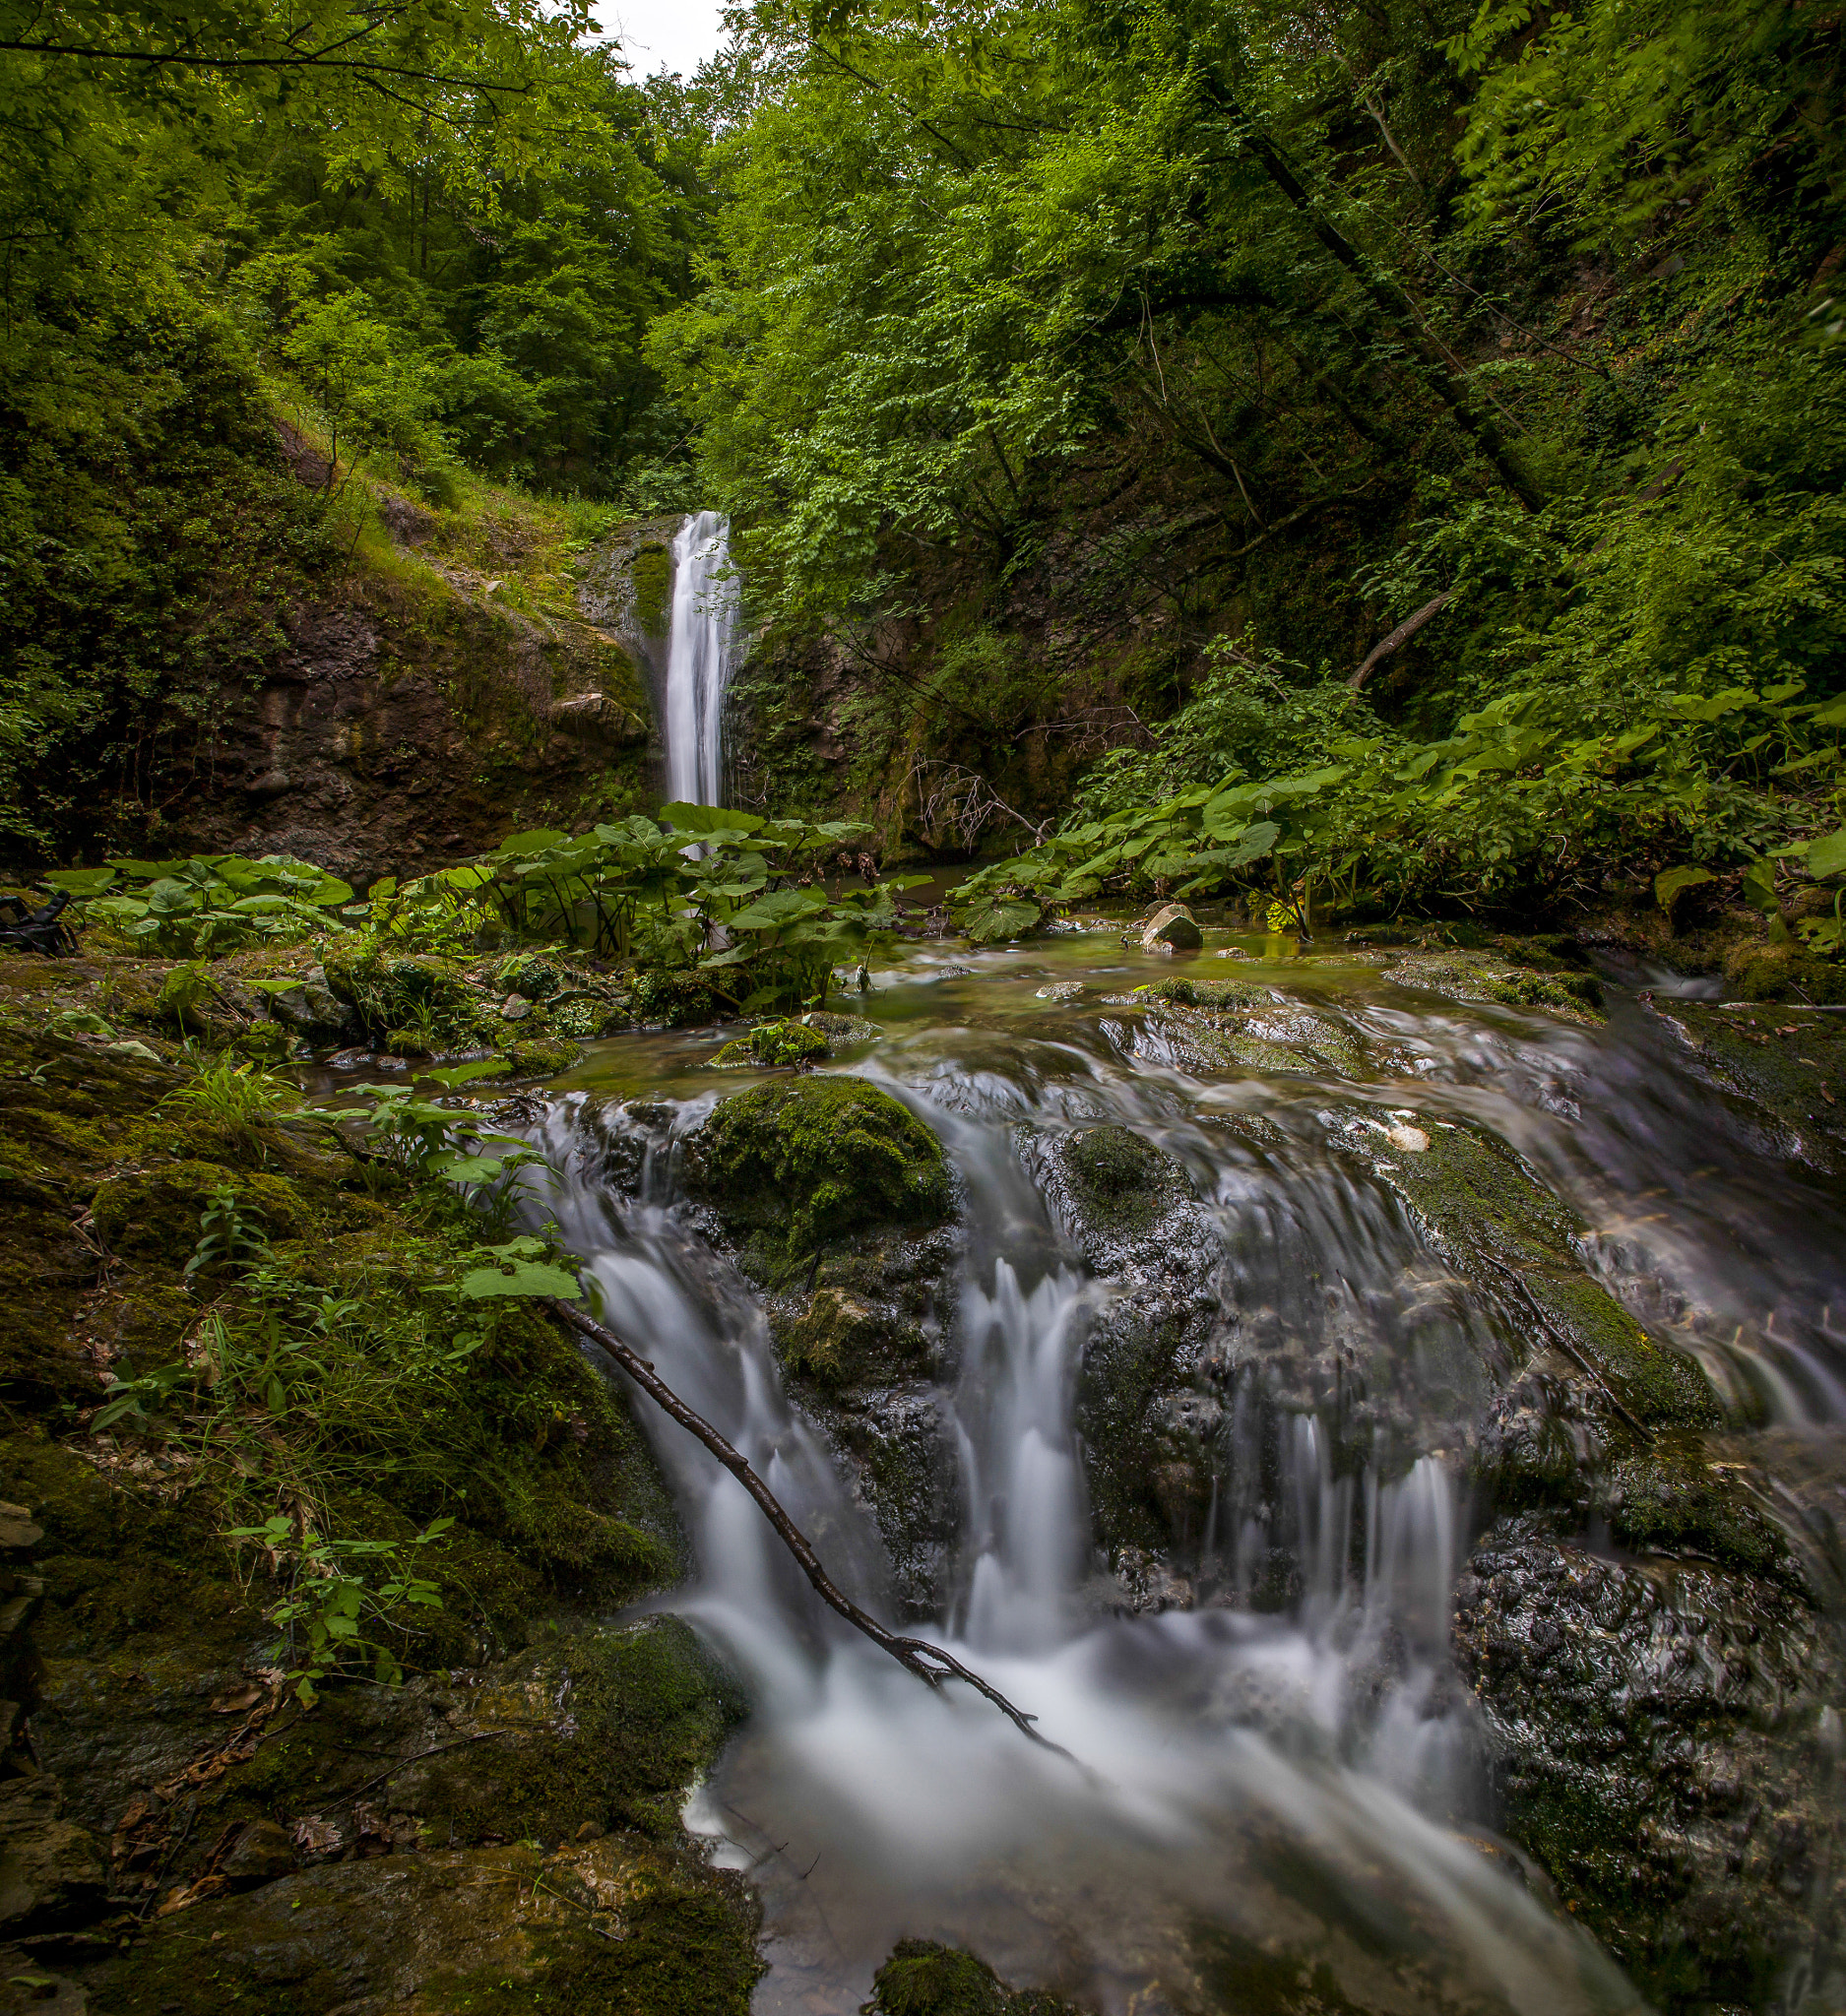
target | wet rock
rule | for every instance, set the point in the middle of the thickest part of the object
(53, 1871)
(1171, 928)
(1473, 976)
(1062, 990)
(1145, 1406)
(262, 1851)
(869, 1351)
(1484, 1211)
(312, 1011)
(1661, 1742)
(795, 1165)
(1788, 1062)
(841, 1031)
(515, 1008)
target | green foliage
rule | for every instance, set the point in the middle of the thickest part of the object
(207, 902)
(1518, 802)
(229, 1241)
(731, 900)
(346, 1601)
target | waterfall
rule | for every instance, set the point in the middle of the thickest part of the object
(698, 659)
(1203, 1735)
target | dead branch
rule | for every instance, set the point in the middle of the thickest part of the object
(1400, 637)
(928, 1663)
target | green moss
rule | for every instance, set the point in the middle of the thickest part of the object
(1512, 1235)
(1119, 1179)
(652, 571)
(154, 1213)
(1669, 1500)
(840, 1338)
(810, 1159)
(770, 1046)
(924, 1978)
(1548, 990)
(1760, 970)
(676, 1000)
(1190, 993)
(650, 1707)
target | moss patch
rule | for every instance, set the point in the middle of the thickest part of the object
(1118, 1178)
(652, 573)
(1511, 1236)
(810, 1160)
(770, 1046)
(924, 1978)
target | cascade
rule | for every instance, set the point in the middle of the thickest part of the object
(698, 659)
(1313, 1732)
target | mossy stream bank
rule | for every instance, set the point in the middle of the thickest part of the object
(178, 1830)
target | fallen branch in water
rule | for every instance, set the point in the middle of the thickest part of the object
(930, 1663)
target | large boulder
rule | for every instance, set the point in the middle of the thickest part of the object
(793, 1165)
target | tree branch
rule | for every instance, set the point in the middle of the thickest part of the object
(315, 59)
(1400, 637)
(928, 1663)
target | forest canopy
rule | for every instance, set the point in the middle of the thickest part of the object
(1090, 375)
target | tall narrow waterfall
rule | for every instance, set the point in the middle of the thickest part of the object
(698, 660)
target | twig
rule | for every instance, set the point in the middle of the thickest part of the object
(928, 1663)
(484, 1735)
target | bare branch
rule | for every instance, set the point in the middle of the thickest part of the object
(928, 1663)
(1400, 637)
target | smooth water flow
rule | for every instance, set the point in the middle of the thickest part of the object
(698, 659)
(1277, 1749)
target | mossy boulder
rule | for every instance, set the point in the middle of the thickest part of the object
(1671, 1500)
(924, 1978)
(154, 1213)
(771, 1045)
(613, 1927)
(1778, 970)
(407, 997)
(1218, 995)
(810, 1160)
(1119, 1180)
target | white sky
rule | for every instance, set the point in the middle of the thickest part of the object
(663, 35)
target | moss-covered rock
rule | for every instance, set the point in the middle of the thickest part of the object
(1781, 969)
(1669, 1499)
(609, 1927)
(924, 1978)
(1487, 1212)
(1466, 974)
(771, 1045)
(1117, 1181)
(155, 1213)
(809, 1162)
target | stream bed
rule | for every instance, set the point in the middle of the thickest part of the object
(1391, 1440)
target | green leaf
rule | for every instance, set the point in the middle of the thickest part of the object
(1670, 882)
(524, 1279)
(1827, 855)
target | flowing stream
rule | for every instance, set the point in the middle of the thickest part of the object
(698, 659)
(1289, 1783)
